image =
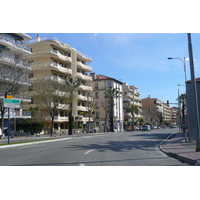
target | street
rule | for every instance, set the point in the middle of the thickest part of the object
(103, 149)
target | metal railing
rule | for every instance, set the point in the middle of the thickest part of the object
(19, 44)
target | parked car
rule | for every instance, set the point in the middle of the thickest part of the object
(146, 128)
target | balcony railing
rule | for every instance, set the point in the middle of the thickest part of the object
(15, 43)
(10, 59)
(62, 43)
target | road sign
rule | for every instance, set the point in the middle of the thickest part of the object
(12, 105)
(16, 101)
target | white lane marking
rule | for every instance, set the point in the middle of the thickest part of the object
(89, 151)
(81, 164)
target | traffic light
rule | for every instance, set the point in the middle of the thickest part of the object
(167, 102)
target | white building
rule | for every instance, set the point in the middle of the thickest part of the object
(14, 72)
(101, 117)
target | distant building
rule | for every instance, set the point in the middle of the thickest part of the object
(100, 84)
(155, 111)
(131, 96)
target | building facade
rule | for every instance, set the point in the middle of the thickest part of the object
(155, 111)
(14, 69)
(58, 60)
(100, 84)
(131, 97)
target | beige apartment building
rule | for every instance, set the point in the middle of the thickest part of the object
(155, 110)
(14, 74)
(131, 96)
(51, 57)
(100, 84)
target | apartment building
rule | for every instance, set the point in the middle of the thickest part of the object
(155, 111)
(175, 116)
(100, 84)
(131, 96)
(14, 81)
(51, 57)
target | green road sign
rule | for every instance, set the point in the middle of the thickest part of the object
(16, 101)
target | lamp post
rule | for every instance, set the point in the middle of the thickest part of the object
(194, 95)
(184, 66)
(183, 61)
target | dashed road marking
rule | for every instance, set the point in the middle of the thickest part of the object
(89, 151)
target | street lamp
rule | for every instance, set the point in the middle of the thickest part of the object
(170, 58)
(183, 61)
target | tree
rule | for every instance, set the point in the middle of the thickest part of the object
(141, 121)
(183, 99)
(72, 87)
(13, 77)
(51, 95)
(90, 106)
(133, 109)
(111, 94)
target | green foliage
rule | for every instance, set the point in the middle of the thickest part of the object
(29, 127)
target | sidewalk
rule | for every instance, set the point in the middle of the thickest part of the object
(16, 139)
(178, 148)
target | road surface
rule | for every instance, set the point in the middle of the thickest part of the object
(103, 149)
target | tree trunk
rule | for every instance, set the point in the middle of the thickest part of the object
(70, 123)
(111, 118)
(133, 128)
(89, 123)
(52, 122)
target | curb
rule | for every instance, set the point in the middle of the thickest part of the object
(30, 143)
(181, 158)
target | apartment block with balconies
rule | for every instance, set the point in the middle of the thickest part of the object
(131, 96)
(51, 57)
(14, 72)
(155, 111)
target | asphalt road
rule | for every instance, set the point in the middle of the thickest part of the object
(105, 149)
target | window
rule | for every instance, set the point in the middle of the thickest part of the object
(96, 94)
(97, 115)
(96, 85)
(31, 75)
(30, 62)
(109, 84)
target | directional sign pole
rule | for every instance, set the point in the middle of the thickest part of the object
(8, 125)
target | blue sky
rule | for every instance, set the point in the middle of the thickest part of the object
(138, 59)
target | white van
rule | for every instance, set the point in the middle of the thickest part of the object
(146, 128)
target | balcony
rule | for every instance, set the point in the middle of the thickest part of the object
(21, 80)
(84, 98)
(57, 78)
(84, 77)
(84, 56)
(85, 88)
(53, 53)
(84, 67)
(82, 108)
(54, 66)
(14, 44)
(10, 59)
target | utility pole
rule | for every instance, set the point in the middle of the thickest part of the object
(194, 95)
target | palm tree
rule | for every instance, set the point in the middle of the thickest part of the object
(111, 94)
(141, 121)
(72, 87)
(133, 109)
